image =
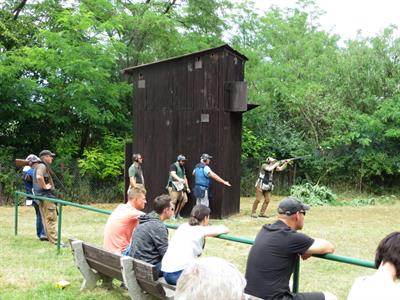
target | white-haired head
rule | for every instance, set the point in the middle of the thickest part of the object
(210, 278)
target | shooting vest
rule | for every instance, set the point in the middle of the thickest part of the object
(200, 178)
(180, 171)
(264, 180)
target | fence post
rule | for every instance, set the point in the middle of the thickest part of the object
(16, 203)
(296, 275)
(59, 227)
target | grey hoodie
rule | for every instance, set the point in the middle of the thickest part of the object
(150, 239)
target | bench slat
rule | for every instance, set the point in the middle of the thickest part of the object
(153, 288)
(104, 262)
(105, 269)
(145, 271)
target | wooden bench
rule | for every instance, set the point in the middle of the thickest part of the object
(97, 264)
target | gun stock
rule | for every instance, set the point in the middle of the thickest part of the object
(21, 162)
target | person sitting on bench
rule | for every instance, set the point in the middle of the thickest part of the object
(188, 242)
(123, 220)
(150, 238)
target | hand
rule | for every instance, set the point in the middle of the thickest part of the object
(188, 190)
(227, 183)
(306, 256)
(48, 186)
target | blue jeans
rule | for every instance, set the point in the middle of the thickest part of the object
(172, 277)
(39, 225)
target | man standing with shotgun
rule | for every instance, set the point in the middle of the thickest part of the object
(264, 184)
(43, 185)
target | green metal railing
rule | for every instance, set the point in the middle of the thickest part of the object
(242, 240)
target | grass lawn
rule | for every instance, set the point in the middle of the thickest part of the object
(29, 268)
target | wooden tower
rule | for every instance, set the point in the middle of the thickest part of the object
(191, 104)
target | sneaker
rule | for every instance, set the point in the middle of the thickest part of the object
(43, 238)
(179, 217)
(254, 216)
(173, 218)
(263, 216)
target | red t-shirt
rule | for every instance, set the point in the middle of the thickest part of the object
(119, 228)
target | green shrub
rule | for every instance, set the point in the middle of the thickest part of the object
(387, 200)
(314, 195)
(357, 202)
(10, 177)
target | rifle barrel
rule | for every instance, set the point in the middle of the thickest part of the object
(296, 158)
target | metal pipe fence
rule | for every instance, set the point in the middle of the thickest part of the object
(60, 203)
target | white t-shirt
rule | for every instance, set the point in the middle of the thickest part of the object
(186, 244)
(375, 287)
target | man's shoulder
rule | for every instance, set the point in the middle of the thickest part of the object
(132, 170)
(41, 168)
(152, 227)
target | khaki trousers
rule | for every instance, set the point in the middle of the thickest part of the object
(178, 199)
(49, 218)
(261, 195)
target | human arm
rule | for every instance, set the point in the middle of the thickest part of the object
(319, 246)
(160, 240)
(176, 177)
(217, 178)
(283, 166)
(40, 178)
(132, 181)
(215, 230)
(42, 184)
(132, 173)
(187, 184)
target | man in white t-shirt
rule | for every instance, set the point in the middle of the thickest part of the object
(382, 284)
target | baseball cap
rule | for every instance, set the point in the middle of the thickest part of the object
(181, 157)
(291, 205)
(205, 156)
(46, 152)
(32, 158)
(270, 160)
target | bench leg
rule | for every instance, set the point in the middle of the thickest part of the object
(106, 282)
(90, 278)
(134, 290)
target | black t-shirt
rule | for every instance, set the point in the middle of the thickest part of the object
(272, 259)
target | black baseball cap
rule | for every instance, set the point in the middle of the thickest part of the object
(46, 152)
(291, 205)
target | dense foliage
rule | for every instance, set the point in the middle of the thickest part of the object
(314, 195)
(61, 85)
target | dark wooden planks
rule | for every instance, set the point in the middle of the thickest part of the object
(168, 121)
(104, 262)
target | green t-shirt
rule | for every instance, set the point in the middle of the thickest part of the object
(136, 171)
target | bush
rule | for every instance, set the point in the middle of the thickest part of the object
(9, 176)
(314, 195)
(387, 200)
(357, 202)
